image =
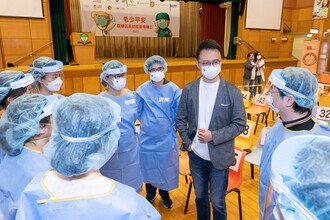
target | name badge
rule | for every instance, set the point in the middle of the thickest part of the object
(164, 99)
(130, 101)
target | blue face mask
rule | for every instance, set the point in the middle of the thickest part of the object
(163, 24)
(102, 21)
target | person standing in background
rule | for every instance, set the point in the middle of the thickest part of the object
(260, 75)
(12, 85)
(250, 75)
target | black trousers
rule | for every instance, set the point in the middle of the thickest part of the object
(151, 190)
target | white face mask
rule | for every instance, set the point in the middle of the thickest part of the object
(258, 57)
(157, 76)
(55, 85)
(118, 83)
(211, 72)
(270, 101)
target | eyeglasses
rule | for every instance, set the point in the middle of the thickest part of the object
(156, 69)
(207, 63)
(118, 75)
(273, 89)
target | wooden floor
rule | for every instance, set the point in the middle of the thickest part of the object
(249, 192)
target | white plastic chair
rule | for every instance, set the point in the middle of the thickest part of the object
(255, 156)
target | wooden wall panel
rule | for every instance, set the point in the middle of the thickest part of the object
(298, 19)
(130, 81)
(26, 62)
(91, 85)
(189, 76)
(39, 31)
(225, 74)
(15, 30)
(78, 85)
(2, 65)
(167, 75)
(16, 46)
(67, 87)
(38, 43)
(178, 78)
(22, 36)
(85, 78)
(304, 3)
(140, 79)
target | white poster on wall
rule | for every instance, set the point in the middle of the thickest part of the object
(140, 18)
(320, 10)
(264, 14)
(16, 8)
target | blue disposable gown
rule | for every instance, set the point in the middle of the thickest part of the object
(15, 174)
(157, 107)
(124, 165)
(122, 202)
(2, 155)
(274, 137)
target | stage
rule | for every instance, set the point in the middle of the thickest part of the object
(181, 71)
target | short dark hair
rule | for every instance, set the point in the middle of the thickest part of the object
(13, 94)
(295, 106)
(248, 54)
(208, 44)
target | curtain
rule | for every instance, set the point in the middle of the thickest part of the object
(137, 47)
(234, 30)
(213, 23)
(58, 30)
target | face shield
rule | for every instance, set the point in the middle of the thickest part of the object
(118, 79)
(296, 180)
(277, 80)
(24, 82)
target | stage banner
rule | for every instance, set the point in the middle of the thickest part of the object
(139, 18)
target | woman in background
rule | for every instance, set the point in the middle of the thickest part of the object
(260, 75)
(250, 75)
(47, 74)
(12, 85)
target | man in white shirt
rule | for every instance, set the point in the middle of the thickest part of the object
(210, 115)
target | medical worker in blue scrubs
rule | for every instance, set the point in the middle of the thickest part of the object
(158, 101)
(292, 96)
(84, 138)
(12, 85)
(124, 166)
(25, 128)
(47, 74)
